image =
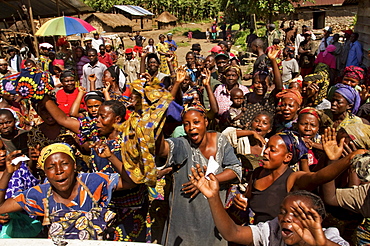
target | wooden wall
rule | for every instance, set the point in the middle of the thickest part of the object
(363, 27)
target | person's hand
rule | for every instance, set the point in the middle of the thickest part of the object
(240, 202)
(259, 138)
(273, 53)
(102, 150)
(308, 142)
(170, 58)
(10, 168)
(146, 76)
(92, 78)
(189, 188)
(332, 149)
(81, 89)
(312, 89)
(311, 231)
(209, 188)
(164, 172)
(106, 88)
(365, 92)
(67, 138)
(180, 75)
(34, 152)
(4, 218)
(207, 78)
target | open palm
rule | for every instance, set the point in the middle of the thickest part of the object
(332, 149)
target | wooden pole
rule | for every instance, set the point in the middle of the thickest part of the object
(35, 42)
(58, 8)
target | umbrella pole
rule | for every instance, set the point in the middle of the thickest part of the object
(35, 41)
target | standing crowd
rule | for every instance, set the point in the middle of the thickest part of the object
(130, 145)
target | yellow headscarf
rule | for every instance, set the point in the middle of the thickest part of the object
(52, 149)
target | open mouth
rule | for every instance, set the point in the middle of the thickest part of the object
(194, 136)
(61, 180)
(286, 232)
(258, 130)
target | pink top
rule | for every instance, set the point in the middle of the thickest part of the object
(329, 60)
(223, 97)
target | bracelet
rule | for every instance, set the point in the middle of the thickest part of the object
(3, 189)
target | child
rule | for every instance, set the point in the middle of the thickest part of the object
(207, 35)
(150, 48)
(236, 110)
(190, 36)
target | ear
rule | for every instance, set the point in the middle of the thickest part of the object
(288, 157)
(118, 119)
(206, 120)
(350, 106)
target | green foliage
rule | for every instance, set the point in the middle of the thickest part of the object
(240, 38)
(183, 44)
(184, 30)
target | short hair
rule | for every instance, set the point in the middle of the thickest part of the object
(92, 50)
(11, 49)
(264, 112)
(259, 43)
(102, 45)
(316, 201)
(117, 107)
(356, 34)
(7, 112)
(276, 41)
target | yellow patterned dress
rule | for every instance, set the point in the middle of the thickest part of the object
(163, 47)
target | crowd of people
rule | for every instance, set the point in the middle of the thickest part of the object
(130, 145)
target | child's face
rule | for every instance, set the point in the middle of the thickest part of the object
(151, 42)
(238, 99)
(200, 65)
(261, 124)
(308, 126)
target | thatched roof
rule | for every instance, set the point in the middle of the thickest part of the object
(112, 20)
(166, 17)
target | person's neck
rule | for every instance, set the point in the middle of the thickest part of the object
(276, 173)
(339, 117)
(203, 145)
(69, 92)
(113, 135)
(153, 73)
(93, 63)
(115, 87)
(11, 135)
(260, 52)
(230, 87)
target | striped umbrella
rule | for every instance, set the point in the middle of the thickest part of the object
(64, 26)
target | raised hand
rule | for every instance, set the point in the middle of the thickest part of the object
(106, 88)
(311, 231)
(240, 202)
(209, 188)
(34, 152)
(81, 89)
(365, 92)
(332, 149)
(10, 168)
(273, 53)
(207, 79)
(92, 78)
(312, 89)
(180, 75)
(259, 138)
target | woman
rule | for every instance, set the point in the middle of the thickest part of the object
(65, 53)
(290, 104)
(80, 60)
(275, 179)
(327, 57)
(113, 90)
(163, 50)
(222, 92)
(68, 197)
(199, 146)
(345, 102)
(112, 53)
(259, 99)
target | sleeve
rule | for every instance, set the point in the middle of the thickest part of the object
(295, 67)
(177, 154)
(31, 200)
(230, 160)
(333, 235)
(263, 233)
(355, 199)
(359, 53)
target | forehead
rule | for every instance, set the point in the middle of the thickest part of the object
(288, 100)
(288, 201)
(105, 109)
(6, 117)
(192, 114)
(93, 102)
(263, 117)
(277, 141)
(307, 116)
(57, 157)
(237, 93)
(339, 96)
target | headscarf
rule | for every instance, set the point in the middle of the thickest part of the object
(354, 72)
(309, 110)
(97, 95)
(350, 94)
(66, 73)
(294, 144)
(330, 48)
(61, 41)
(291, 93)
(360, 163)
(52, 149)
(237, 68)
(188, 97)
(193, 106)
(360, 134)
(324, 120)
(8, 84)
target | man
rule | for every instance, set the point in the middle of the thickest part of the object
(222, 61)
(14, 60)
(290, 32)
(4, 69)
(271, 34)
(139, 41)
(196, 50)
(104, 57)
(354, 57)
(93, 69)
(131, 66)
(326, 40)
(346, 48)
(88, 43)
(259, 50)
(215, 50)
(97, 41)
(250, 38)
(306, 53)
(300, 38)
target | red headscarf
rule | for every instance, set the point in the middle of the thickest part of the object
(291, 93)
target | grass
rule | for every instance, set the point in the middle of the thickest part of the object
(184, 30)
(183, 44)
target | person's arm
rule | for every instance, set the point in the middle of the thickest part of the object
(272, 54)
(180, 77)
(225, 225)
(75, 108)
(359, 53)
(92, 80)
(162, 148)
(60, 117)
(212, 99)
(106, 92)
(142, 61)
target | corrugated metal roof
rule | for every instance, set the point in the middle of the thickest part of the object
(134, 10)
(324, 3)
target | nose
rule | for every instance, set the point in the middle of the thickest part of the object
(58, 169)
(287, 217)
(308, 128)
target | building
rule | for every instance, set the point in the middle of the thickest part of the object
(338, 14)
(166, 20)
(109, 22)
(363, 28)
(141, 19)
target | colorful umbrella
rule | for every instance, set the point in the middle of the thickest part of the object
(64, 26)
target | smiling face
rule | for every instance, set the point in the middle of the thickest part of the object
(231, 77)
(289, 108)
(275, 154)
(60, 170)
(339, 104)
(68, 84)
(350, 81)
(190, 59)
(221, 63)
(261, 124)
(106, 119)
(308, 125)
(286, 218)
(93, 107)
(107, 78)
(153, 65)
(195, 125)
(260, 85)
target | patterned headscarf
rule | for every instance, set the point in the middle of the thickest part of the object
(291, 93)
(354, 72)
(97, 95)
(237, 68)
(360, 134)
(294, 144)
(309, 110)
(361, 164)
(52, 149)
(350, 94)
(193, 106)
(188, 96)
